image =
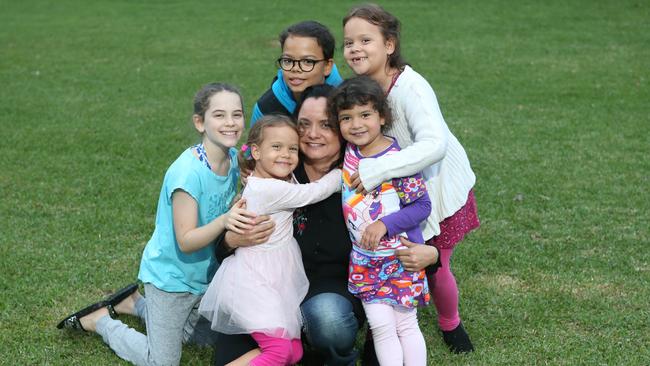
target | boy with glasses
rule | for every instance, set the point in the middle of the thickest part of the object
(306, 60)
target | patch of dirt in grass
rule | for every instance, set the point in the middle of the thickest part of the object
(593, 290)
(501, 282)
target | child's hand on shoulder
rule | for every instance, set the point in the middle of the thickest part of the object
(238, 219)
(373, 234)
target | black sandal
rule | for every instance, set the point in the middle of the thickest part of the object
(72, 321)
(118, 297)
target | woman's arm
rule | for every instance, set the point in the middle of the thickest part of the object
(228, 241)
(190, 236)
(262, 229)
(416, 207)
(428, 131)
(417, 257)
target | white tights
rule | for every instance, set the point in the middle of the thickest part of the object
(397, 337)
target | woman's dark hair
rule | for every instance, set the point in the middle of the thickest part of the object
(202, 97)
(390, 28)
(256, 136)
(311, 29)
(359, 90)
(314, 91)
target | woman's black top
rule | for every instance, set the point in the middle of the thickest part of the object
(325, 245)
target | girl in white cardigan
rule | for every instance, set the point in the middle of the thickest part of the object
(371, 46)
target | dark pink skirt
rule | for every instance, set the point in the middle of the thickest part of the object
(454, 227)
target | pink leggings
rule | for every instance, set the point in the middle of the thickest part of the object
(396, 335)
(445, 292)
(276, 351)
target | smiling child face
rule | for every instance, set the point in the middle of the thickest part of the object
(299, 48)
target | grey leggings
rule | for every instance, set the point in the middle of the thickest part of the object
(171, 319)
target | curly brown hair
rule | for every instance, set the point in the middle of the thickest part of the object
(359, 90)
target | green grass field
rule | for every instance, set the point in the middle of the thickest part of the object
(550, 100)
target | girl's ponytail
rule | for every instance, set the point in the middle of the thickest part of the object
(246, 162)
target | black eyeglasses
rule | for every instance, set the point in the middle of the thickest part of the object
(305, 65)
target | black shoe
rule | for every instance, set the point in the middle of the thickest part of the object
(73, 321)
(457, 340)
(118, 297)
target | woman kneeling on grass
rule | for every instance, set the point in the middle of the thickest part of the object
(178, 261)
(331, 314)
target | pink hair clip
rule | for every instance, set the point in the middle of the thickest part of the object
(246, 151)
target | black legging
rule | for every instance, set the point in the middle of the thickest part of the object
(230, 347)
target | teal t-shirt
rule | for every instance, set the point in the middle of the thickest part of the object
(163, 264)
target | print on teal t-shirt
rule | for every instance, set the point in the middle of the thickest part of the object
(163, 264)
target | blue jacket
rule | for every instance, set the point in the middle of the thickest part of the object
(279, 98)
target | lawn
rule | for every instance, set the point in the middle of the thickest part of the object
(550, 100)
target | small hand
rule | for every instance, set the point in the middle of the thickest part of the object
(260, 233)
(416, 256)
(238, 219)
(373, 234)
(355, 183)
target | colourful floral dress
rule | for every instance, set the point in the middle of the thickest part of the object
(402, 204)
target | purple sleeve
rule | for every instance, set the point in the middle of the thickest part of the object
(416, 205)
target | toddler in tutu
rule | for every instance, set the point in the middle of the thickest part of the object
(258, 289)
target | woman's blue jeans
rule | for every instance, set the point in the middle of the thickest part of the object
(331, 327)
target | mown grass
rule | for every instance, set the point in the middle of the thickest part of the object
(550, 100)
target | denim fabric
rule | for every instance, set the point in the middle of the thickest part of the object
(330, 328)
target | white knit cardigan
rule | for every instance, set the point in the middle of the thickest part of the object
(427, 146)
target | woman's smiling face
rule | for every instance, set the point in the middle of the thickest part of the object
(319, 141)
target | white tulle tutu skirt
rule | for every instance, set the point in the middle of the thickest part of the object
(258, 289)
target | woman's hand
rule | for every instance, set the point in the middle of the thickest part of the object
(355, 183)
(260, 232)
(372, 235)
(239, 220)
(416, 256)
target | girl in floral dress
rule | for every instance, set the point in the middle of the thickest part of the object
(376, 221)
